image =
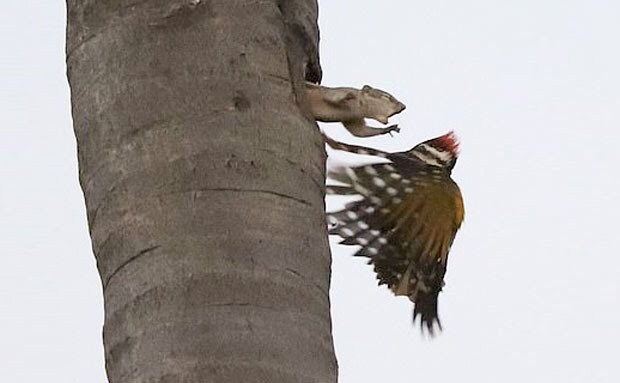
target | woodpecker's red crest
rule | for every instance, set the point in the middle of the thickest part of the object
(406, 220)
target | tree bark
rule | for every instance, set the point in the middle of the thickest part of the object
(203, 179)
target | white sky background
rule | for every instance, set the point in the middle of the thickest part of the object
(533, 90)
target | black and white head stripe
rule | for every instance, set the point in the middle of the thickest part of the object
(431, 156)
(441, 151)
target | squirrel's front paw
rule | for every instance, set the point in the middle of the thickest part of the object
(392, 128)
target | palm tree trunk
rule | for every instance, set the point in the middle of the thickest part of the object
(203, 181)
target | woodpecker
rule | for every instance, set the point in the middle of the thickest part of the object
(406, 220)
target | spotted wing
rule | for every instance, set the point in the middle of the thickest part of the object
(405, 222)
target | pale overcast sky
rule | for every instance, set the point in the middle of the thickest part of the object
(532, 291)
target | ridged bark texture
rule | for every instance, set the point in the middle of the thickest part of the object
(203, 181)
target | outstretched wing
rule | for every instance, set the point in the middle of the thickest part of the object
(405, 223)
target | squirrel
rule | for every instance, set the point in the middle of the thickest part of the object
(350, 106)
